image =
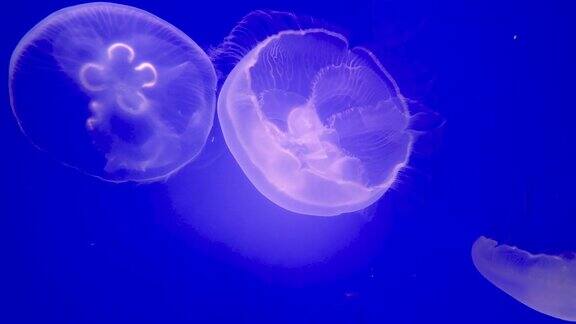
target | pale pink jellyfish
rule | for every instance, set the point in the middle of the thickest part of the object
(318, 127)
(114, 91)
(545, 283)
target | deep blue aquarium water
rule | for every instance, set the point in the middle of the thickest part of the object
(206, 245)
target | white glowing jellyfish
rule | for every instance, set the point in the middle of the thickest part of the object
(114, 91)
(542, 282)
(318, 127)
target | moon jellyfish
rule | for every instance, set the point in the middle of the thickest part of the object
(318, 127)
(113, 91)
(542, 282)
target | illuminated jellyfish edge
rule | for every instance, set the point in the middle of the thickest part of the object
(256, 176)
(37, 31)
(485, 250)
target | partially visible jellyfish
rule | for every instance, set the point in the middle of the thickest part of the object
(113, 91)
(545, 283)
(318, 127)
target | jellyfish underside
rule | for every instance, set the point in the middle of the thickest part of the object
(545, 283)
(318, 128)
(120, 87)
(149, 89)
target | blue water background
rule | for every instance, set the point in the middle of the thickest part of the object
(502, 73)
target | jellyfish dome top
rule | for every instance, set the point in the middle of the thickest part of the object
(318, 127)
(545, 283)
(113, 91)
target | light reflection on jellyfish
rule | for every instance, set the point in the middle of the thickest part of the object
(545, 283)
(113, 91)
(318, 127)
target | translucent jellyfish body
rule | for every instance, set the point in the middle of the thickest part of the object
(114, 91)
(542, 282)
(318, 128)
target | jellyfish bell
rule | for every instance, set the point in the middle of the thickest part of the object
(545, 283)
(318, 127)
(113, 91)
